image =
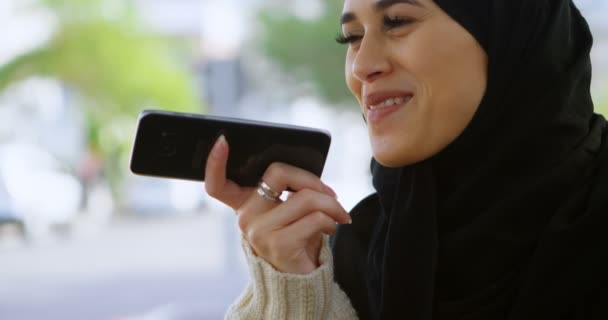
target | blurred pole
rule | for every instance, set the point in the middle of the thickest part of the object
(222, 32)
(223, 88)
(223, 85)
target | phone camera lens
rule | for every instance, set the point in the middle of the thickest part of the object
(168, 147)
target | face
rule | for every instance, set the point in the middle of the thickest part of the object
(418, 75)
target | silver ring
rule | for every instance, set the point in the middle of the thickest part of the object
(268, 189)
(267, 193)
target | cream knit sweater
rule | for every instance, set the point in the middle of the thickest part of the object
(271, 294)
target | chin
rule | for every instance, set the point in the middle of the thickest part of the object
(395, 161)
(388, 157)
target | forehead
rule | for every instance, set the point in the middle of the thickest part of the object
(354, 5)
(350, 5)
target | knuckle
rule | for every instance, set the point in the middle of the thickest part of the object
(211, 190)
(319, 218)
(331, 228)
(331, 203)
(314, 197)
(243, 223)
(254, 237)
(266, 244)
(325, 223)
(318, 201)
(306, 194)
(304, 199)
(276, 170)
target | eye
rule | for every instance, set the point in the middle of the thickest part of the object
(348, 39)
(395, 22)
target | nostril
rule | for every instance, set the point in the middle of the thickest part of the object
(373, 76)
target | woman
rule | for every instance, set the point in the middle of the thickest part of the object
(490, 167)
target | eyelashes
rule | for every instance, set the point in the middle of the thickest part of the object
(346, 39)
(388, 23)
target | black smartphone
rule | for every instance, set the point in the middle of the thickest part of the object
(176, 145)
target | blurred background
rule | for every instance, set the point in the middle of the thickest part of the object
(83, 238)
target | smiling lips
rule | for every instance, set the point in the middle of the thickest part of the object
(381, 104)
(386, 99)
(390, 101)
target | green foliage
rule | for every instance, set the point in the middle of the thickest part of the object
(111, 65)
(601, 104)
(602, 109)
(99, 51)
(306, 49)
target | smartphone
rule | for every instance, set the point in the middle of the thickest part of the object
(176, 145)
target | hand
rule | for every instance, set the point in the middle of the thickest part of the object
(286, 234)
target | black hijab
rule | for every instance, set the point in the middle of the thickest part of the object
(507, 222)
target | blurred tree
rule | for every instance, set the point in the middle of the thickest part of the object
(306, 48)
(99, 51)
(602, 107)
(601, 102)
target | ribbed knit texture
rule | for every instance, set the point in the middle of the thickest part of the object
(271, 294)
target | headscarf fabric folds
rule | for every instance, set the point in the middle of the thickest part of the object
(509, 220)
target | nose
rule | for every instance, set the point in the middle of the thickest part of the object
(370, 61)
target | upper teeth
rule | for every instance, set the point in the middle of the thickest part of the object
(390, 102)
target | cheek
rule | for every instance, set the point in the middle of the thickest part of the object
(354, 85)
(450, 69)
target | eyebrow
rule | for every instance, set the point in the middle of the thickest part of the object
(378, 6)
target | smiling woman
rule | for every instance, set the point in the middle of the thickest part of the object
(490, 169)
(417, 74)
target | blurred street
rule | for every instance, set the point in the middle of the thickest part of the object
(81, 237)
(189, 267)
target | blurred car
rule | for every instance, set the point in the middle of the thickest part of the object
(150, 196)
(38, 188)
(147, 196)
(8, 215)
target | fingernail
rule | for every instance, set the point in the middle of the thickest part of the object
(349, 219)
(221, 142)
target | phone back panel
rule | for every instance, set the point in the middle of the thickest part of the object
(176, 145)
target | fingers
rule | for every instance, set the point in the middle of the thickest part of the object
(306, 201)
(299, 205)
(287, 234)
(216, 183)
(310, 225)
(311, 194)
(215, 170)
(295, 248)
(281, 176)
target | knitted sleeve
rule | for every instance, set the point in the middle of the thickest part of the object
(271, 294)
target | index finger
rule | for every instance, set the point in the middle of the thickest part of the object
(216, 184)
